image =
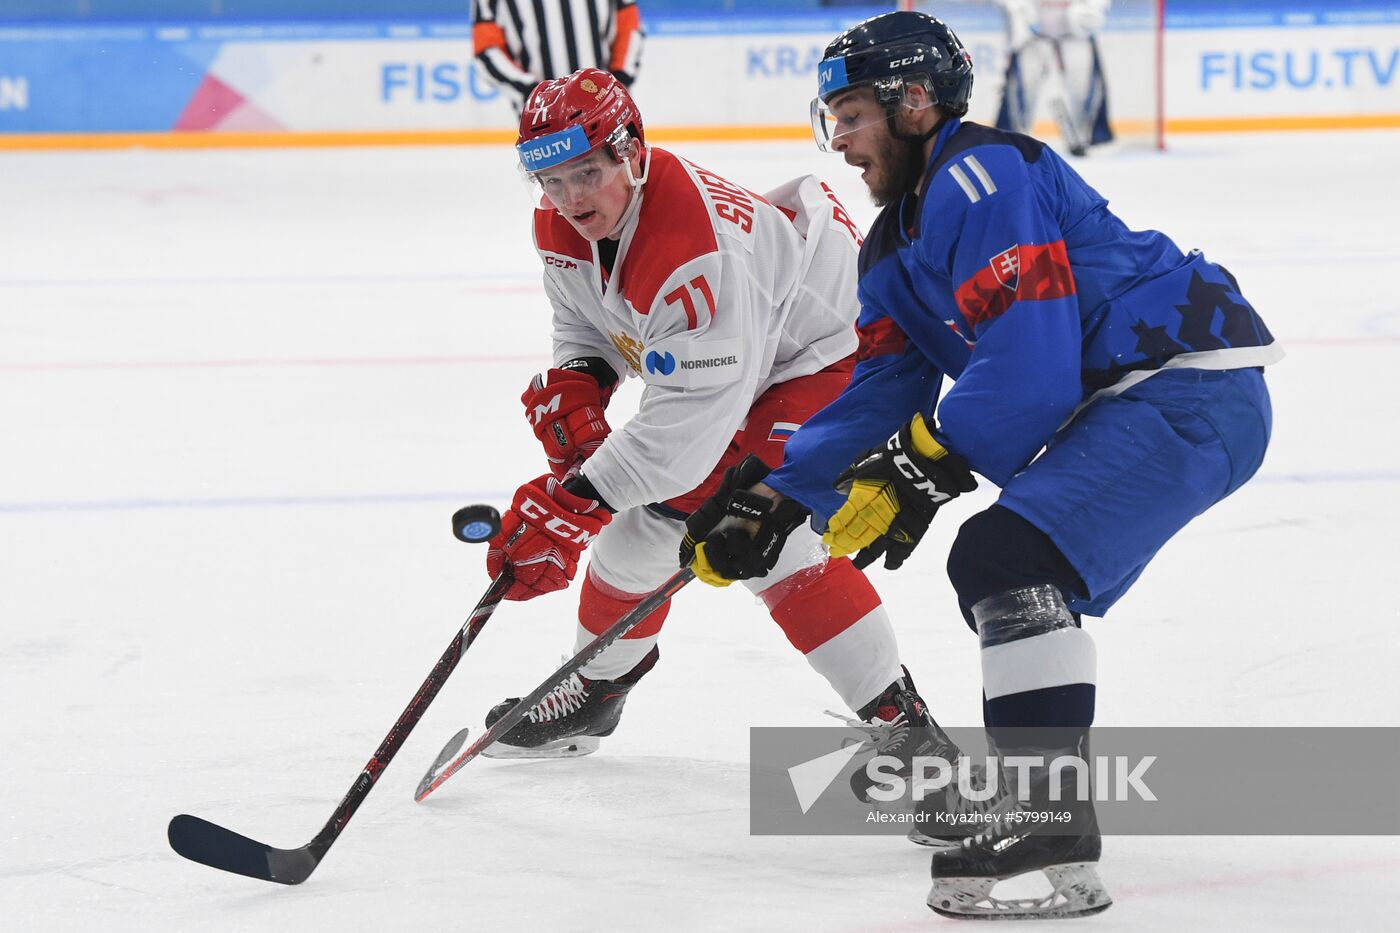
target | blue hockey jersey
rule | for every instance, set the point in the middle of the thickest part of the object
(1008, 274)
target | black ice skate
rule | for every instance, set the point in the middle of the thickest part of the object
(946, 817)
(571, 718)
(1064, 849)
(898, 723)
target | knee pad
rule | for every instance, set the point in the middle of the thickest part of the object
(998, 551)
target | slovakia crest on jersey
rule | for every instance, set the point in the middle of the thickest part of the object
(1006, 266)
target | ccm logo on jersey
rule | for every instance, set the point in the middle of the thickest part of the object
(560, 262)
(555, 525)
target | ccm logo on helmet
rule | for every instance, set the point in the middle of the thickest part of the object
(555, 525)
(907, 61)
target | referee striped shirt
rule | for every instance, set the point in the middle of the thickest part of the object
(520, 43)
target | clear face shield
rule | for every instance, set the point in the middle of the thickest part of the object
(559, 178)
(853, 110)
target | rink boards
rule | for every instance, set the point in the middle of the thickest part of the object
(287, 83)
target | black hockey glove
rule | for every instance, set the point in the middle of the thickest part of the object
(892, 493)
(749, 545)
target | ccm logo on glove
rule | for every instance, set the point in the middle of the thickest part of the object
(543, 535)
(556, 526)
(916, 478)
(565, 411)
(892, 493)
(548, 408)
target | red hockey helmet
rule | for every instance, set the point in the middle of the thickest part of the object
(569, 117)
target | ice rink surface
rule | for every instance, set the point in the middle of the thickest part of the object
(241, 392)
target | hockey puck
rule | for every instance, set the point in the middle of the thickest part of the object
(476, 523)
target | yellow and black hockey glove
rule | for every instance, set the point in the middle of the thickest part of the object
(892, 493)
(748, 544)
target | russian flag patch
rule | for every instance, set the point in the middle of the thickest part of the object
(782, 430)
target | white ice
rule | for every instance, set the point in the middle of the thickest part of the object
(242, 391)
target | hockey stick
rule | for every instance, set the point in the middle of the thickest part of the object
(1070, 127)
(445, 765)
(202, 841)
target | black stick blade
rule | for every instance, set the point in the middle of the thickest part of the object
(210, 844)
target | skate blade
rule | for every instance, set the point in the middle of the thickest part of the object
(920, 838)
(1076, 891)
(562, 748)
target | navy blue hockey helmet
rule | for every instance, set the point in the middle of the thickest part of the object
(888, 50)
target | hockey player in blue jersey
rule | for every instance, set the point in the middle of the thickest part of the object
(1110, 384)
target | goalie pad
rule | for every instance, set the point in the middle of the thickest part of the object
(1071, 72)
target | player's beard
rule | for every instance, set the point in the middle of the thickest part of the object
(901, 166)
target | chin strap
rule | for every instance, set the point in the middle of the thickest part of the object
(646, 169)
(635, 201)
(915, 137)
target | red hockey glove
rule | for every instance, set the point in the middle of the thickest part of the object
(566, 412)
(543, 535)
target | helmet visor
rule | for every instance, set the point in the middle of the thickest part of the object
(851, 114)
(852, 110)
(570, 182)
(829, 125)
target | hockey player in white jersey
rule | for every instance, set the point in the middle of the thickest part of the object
(1052, 55)
(737, 312)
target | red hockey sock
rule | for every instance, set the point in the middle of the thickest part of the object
(601, 605)
(816, 604)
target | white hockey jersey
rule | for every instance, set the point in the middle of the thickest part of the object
(716, 294)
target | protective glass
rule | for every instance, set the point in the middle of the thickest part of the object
(853, 112)
(553, 188)
(555, 182)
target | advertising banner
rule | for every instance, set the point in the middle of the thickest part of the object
(710, 78)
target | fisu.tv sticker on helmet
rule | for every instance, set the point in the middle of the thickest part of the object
(554, 149)
(831, 76)
(686, 363)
